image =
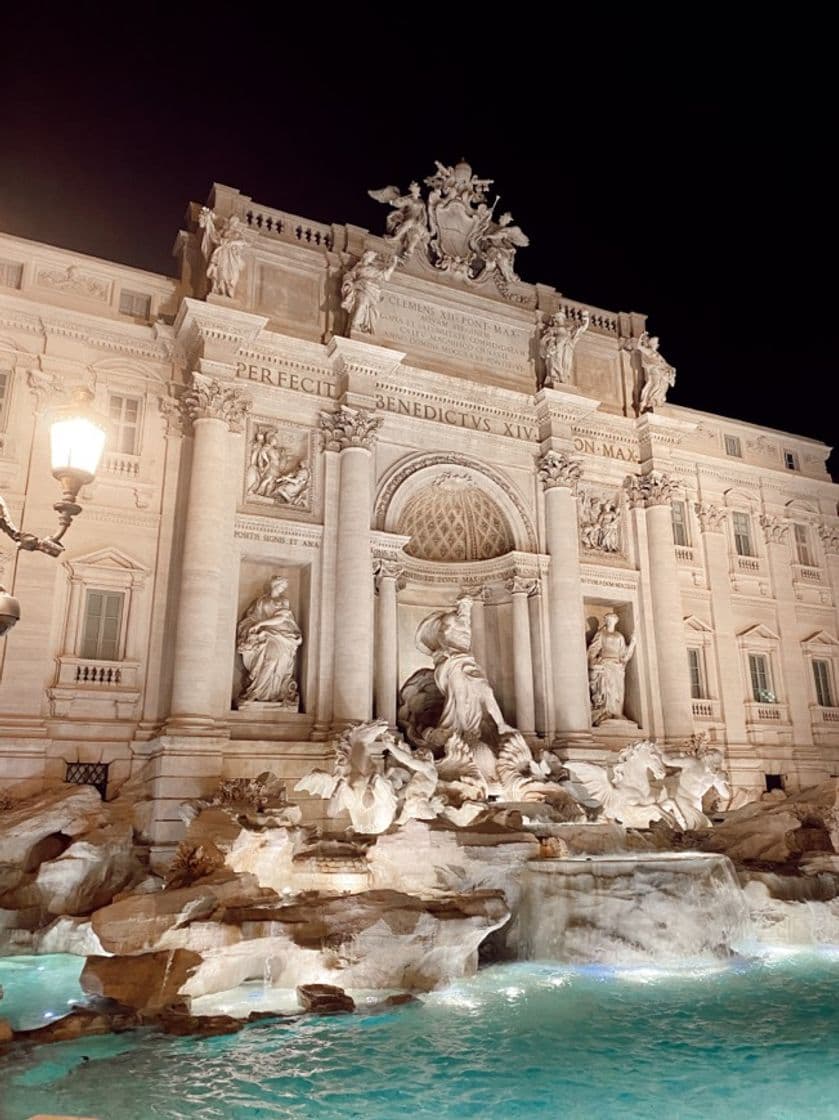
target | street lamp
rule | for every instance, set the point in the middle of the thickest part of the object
(77, 440)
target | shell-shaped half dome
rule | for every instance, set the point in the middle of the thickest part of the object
(453, 521)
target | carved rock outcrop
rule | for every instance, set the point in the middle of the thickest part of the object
(147, 982)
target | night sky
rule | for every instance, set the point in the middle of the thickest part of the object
(703, 205)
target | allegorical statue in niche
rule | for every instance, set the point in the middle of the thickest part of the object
(557, 344)
(407, 227)
(275, 473)
(361, 289)
(268, 639)
(659, 375)
(608, 656)
(223, 250)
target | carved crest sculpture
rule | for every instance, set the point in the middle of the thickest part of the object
(222, 247)
(268, 638)
(557, 345)
(455, 228)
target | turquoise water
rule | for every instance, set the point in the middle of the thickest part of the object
(757, 1040)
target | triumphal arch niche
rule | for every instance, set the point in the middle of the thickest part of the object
(328, 435)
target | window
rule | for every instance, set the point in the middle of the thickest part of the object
(824, 692)
(88, 774)
(680, 524)
(11, 274)
(790, 460)
(125, 418)
(697, 674)
(742, 525)
(802, 545)
(137, 304)
(761, 681)
(733, 446)
(102, 621)
(773, 781)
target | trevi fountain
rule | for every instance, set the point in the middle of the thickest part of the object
(477, 760)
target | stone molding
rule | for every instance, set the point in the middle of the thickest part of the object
(557, 468)
(349, 427)
(388, 569)
(775, 529)
(209, 399)
(711, 517)
(646, 491)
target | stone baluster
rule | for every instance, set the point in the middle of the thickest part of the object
(520, 590)
(352, 432)
(215, 408)
(654, 493)
(388, 582)
(559, 473)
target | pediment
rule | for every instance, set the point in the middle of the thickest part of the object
(761, 633)
(112, 559)
(821, 639)
(693, 623)
(738, 499)
(798, 506)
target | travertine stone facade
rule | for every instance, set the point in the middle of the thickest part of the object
(383, 469)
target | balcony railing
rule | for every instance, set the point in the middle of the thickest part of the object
(123, 466)
(705, 709)
(761, 712)
(819, 714)
(748, 564)
(684, 553)
(806, 573)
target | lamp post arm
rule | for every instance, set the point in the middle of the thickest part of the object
(28, 542)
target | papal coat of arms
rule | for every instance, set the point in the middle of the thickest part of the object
(455, 227)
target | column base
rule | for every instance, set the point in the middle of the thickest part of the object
(196, 725)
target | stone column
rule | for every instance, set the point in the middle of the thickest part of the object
(386, 655)
(559, 474)
(521, 589)
(352, 431)
(654, 492)
(729, 672)
(776, 531)
(215, 409)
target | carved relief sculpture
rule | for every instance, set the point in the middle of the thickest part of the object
(268, 639)
(361, 289)
(600, 524)
(223, 249)
(658, 374)
(557, 344)
(608, 655)
(274, 472)
(498, 247)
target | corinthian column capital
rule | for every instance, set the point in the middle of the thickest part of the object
(556, 468)
(209, 399)
(654, 489)
(349, 427)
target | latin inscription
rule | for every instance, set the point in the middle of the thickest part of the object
(451, 334)
(458, 417)
(607, 450)
(285, 379)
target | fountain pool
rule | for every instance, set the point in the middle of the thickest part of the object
(525, 1040)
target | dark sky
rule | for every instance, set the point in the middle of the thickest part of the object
(663, 188)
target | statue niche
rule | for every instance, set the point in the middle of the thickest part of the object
(608, 655)
(267, 639)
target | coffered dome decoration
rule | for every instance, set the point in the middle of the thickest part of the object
(453, 520)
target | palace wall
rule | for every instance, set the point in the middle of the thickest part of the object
(412, 464)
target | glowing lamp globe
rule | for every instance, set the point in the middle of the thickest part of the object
(77, 440)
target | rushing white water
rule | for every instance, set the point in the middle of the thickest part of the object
(636, 908)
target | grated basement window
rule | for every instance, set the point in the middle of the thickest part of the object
(88, 774)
